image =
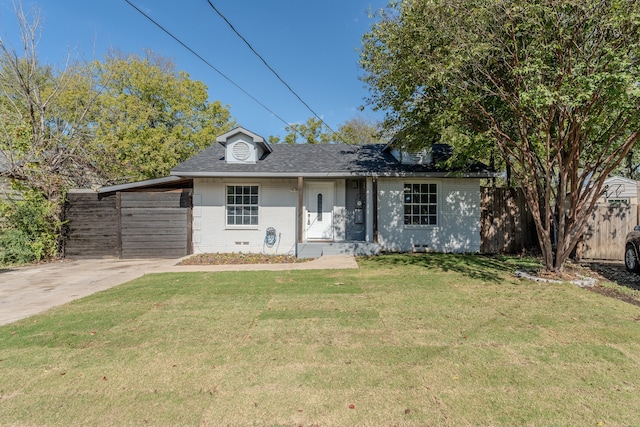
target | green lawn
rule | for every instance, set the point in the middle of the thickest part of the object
(436, 340)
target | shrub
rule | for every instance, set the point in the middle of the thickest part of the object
(29, 229)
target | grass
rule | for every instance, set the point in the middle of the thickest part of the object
(435, 340)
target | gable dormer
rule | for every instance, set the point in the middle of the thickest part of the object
(243, 146)
(425, 156)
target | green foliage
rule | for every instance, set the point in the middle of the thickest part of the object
(549, 86)
(354, 131)
(29, 229)
(314, 131)
(360, 131)
(150, 117)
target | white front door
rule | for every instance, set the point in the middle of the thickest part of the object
(319, 213)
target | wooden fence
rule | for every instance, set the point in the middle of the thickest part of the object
(604, 237)
(129, 224)
(506, 224)
(92, 225)
(154, 224)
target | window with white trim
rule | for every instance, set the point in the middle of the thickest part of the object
(242, 205)
(420, 204)
(618, 201)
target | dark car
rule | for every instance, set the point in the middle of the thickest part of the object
(632, 250)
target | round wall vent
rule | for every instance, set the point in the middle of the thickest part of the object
(241, 151)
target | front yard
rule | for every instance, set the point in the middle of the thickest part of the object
(438, 340)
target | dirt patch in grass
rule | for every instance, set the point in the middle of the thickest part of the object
(240, 258)
(612, 293)
(629, 283)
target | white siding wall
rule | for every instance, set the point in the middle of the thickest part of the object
(458, 228)
(277, 209)
(619, 188)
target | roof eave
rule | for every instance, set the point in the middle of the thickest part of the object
(334, 174)
(139, 184)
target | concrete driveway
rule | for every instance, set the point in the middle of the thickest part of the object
(25, 291)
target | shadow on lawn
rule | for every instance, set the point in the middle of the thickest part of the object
(489, 268)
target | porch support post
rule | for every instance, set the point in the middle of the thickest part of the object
(369, 209)
(375, 210)
(300, 209)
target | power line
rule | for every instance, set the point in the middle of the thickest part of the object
(206, 62)
(272, 70)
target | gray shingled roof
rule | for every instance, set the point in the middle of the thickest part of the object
(310, 160)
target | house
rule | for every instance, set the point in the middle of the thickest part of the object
(243, 194)
(615, 215)
(619, 190)
(308, 200)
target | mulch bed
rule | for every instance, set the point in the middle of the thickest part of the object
(240, 258)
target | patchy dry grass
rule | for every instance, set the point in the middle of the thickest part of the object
(406, 340)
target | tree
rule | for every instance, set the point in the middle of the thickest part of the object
(354, 131)
(314, 131)
(87, 124)
(552, 85)
(150, 117)
(359, 130)
(42, 134)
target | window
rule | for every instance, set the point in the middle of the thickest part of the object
(242, 205)
(420, 204)
(319, 215)
(618, 201)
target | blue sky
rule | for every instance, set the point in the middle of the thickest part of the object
(313, 45)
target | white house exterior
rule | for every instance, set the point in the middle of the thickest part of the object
(619, 190)
(309, 200)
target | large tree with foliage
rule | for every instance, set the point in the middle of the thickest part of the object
(87, 124)
(151, 117)
(43, 116)
(552, 85)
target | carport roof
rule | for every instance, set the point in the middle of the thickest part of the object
(158, 182)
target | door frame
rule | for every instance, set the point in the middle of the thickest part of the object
(331, 201)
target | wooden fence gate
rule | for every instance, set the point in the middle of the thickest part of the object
(606, 231)
(140, 224)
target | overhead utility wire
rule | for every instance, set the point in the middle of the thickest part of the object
(206, 62)
(271, 68)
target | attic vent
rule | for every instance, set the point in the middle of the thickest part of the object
(241, 151)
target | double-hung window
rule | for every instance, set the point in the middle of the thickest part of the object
(242, 205)
(420, 204)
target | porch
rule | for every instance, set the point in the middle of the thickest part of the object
(317, 249)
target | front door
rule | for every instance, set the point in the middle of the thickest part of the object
(319, 202)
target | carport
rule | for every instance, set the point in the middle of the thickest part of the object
(147, 219)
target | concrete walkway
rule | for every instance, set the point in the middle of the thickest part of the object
(25, 291)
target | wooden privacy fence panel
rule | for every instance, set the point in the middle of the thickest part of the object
(92, 226)
(506, 224)
(154, 224)
(606, 231)
(149, 224)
